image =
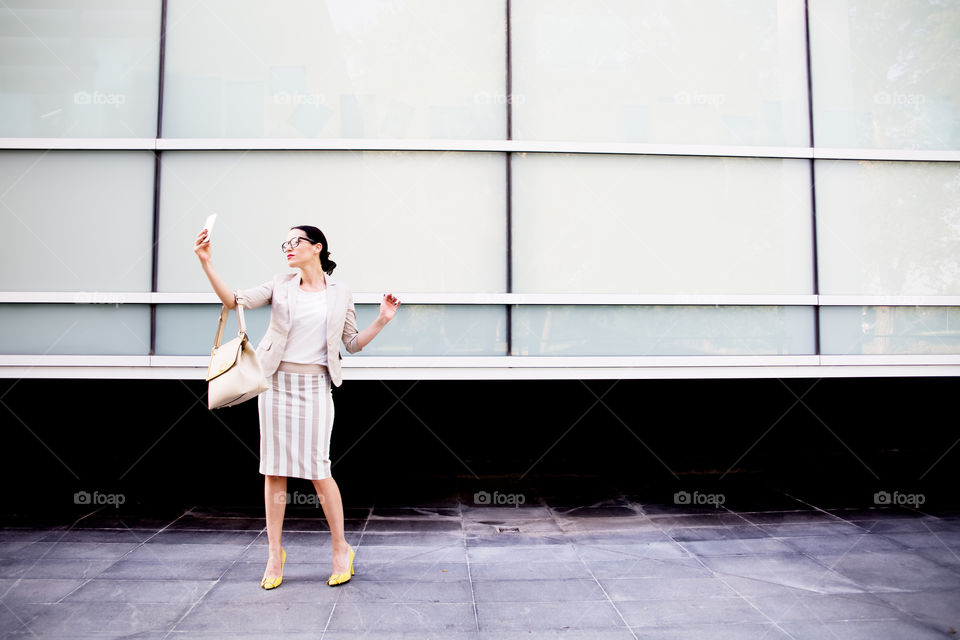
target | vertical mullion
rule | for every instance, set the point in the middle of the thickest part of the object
(813, 182)
(509, 186)
(154, 276)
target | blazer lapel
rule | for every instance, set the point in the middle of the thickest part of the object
(332, 303)
(292, 288)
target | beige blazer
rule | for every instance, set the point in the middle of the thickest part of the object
(280, 293)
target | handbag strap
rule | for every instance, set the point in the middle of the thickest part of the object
(224, 312)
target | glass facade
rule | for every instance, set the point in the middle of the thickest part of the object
(340, 69)
(79, 68)
(534, 178)
(667, 71)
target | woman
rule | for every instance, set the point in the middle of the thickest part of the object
(300, 356)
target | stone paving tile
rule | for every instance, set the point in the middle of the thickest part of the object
(201, 551)
(892, 571)
(713, 631)
(674, 568)
(940, 609)
(265, 618)
(749, 547)
(36, 590)
(793, 570)
(105, 619)
(375, 616)
(656, 613)
(524, 569)
(297, 588)
(710, 519)
(527, 616)
(538, 553)
(864, 630)
(52, 568)
(99, 535)
(75, 550)
(732, 532)
(620, 589)
(561, 590)
(612, 568)
(140, 591)
(798, 608)
(860, 543)
(629, 552)
(170, 569)
(411, 591)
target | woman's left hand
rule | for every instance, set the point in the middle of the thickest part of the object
(388, 306)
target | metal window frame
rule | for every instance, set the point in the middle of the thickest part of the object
(500, 367)
(509, 367)
(510, 299)
(495, 146)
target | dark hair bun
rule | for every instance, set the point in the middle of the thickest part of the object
(316, 236)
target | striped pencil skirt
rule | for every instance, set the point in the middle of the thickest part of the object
(296, 418)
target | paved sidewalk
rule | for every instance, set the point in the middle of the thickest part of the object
(452, 567)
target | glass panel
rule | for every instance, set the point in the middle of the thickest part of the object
(648, 224)
(79, 68)
(81, 329)
(395, 221)
(889, 330)
(602, 330)
(660, 71)
(888, 228)
(417, 330)
(438, 330)
(340, 68)
(76, 220)
(885, 74)
(189, 329)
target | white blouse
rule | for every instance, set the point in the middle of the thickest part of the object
(307, 340)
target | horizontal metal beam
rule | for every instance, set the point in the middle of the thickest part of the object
(511, 373)
(507, 146)
(509, 367)
(143, 297)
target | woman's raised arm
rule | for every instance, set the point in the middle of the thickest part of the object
(202, 249)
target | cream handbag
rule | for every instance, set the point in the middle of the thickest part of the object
(234, 374)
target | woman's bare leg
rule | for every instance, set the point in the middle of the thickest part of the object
(330, 500)
(275, 501)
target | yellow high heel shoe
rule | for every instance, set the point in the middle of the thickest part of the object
(340, 578)
(273, 583)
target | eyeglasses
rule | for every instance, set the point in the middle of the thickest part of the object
(293, 243)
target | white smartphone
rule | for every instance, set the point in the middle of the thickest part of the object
(208, 225)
